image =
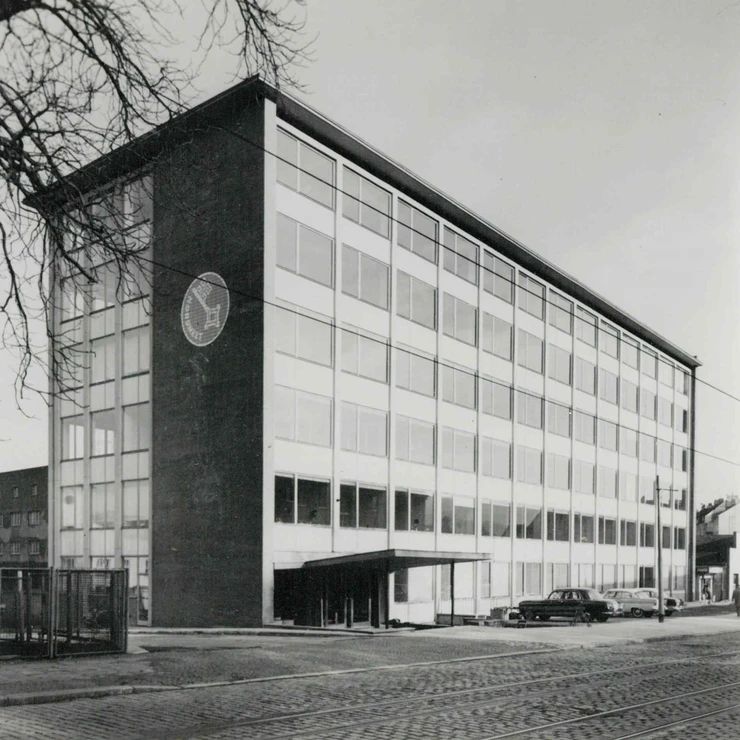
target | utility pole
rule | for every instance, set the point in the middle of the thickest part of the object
(659, 542)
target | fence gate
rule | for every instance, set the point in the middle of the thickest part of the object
(46, 612)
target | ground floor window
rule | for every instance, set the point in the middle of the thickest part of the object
(401, 586)
(647, 576)
(528, 579)
(585, 575)
(556, 576)
(302, 500)
(628, 577)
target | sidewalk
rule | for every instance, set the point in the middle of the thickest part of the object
(161, 660)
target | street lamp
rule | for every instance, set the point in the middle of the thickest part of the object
(659, 542)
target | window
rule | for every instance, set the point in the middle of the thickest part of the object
(497, 336)
(15, 519)
(647, 404)
(528, 523)
(34, 547)
(530, 351)
(665, 412)
(559, 364)
(585, 428)
(649, 363)
(72, 299)
(528, 579)
(558, 472)
(664, 453)
(496, 398)
(302, 500)
(458, 450)
(665, 373)
(531, 296)
(558, 526)
(364, 430)
(103, 432)
(679, 578)
(583, 528)
(608, 386)
(303, 417)
(458, 515)
(607, 482)
(647, 576)
(304, 251)
(682, 420)
(302, 168)
(459, 320)
(366, 204)
(629, 442)
(608, 435)
(16, 492)
(136, 504)
(530, 466)
(679, 501)
(15, 548)
(607, 531)
(416, 301)
(682, 385)
(627, 533)
(647, 448)
(680, 458)
(34, 490)
(415, 372)
(665, 538)
(103, 359)
(495, 458)
(414, 510)
(72, 511)
(362, 506)
(529, 409)
(561, 313)
(458, 387)
(630, 352)
(647, 490)
(73, 437)
(609, 341)
(136, 353)
(417, 232)
(364, 277)
(647, 535)
(461, 257)
(299, 335)
(558, 419)
(585, 574)
(629, 396)
(586, 327)
(498, 277)
(102, 505)
(136, 427)
(495, 519)
(585, 376)
(414, 440)
(366, 356)
(679, 538)
(401, 586)
(627, 486)
(583, 477)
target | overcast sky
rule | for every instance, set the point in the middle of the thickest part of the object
(603, 135)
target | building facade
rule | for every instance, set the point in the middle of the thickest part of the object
(341, 397)
(23, 507)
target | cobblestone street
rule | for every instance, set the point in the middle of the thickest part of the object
(601, 692)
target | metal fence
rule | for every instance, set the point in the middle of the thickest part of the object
(46, 612)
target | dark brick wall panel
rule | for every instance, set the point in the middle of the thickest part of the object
(207, 402)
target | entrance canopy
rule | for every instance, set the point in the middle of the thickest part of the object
(393, 560)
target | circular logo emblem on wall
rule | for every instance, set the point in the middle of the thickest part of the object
(205, 308)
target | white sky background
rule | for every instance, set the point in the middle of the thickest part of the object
(603, 135)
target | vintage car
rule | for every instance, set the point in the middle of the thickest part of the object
(571, 602)
(635, 601)
(670, 603)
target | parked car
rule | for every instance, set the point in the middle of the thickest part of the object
(670, 603)
(568, 602)
(635, 601)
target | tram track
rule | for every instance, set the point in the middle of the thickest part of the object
(379, 713)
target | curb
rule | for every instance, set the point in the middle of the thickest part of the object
(236, 632)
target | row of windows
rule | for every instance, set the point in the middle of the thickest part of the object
(308, 418)
(308, 501)
(15, 519)
(15, 547)
(104, 430)
(15, 491)
(307, 171)
(134, 505)
(367, 355)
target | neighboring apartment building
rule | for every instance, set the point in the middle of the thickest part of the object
(343, 396)
(23, 505)
(717, 554)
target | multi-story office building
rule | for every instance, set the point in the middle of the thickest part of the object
(342, 394)
(24, 526)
